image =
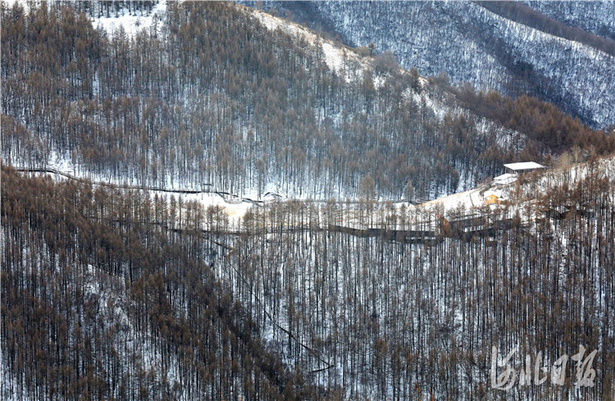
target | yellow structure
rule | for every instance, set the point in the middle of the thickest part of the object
(492, 200)
(494, 197)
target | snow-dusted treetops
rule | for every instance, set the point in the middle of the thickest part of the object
(150, 250)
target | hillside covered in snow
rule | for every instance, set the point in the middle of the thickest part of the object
(267, 106)
(111, 293)
(206, 201)
(471, 42)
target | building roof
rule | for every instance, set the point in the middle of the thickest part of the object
(497, 193)
(523, 166)
(492, 192)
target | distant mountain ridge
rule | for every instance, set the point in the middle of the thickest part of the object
(574, 13)
(471, 43)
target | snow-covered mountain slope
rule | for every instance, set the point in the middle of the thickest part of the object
(462, 39)
(576, 13)
(113, 293)
(333, 89)
(472, 44)
(342, 60)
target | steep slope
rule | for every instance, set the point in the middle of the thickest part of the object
(473, 44)
(244, 110)
(101, 300)
(123, 292)
(108, 294)
(575, 14)
(525, 15)
(222, 97)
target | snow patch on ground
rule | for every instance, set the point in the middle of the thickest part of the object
(131, 24)
(26, 4)
(233, 207)
(467, 201)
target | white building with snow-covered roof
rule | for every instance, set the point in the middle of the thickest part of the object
(523, 167)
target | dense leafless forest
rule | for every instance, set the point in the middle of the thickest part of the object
(218, 100)
(111, 292)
